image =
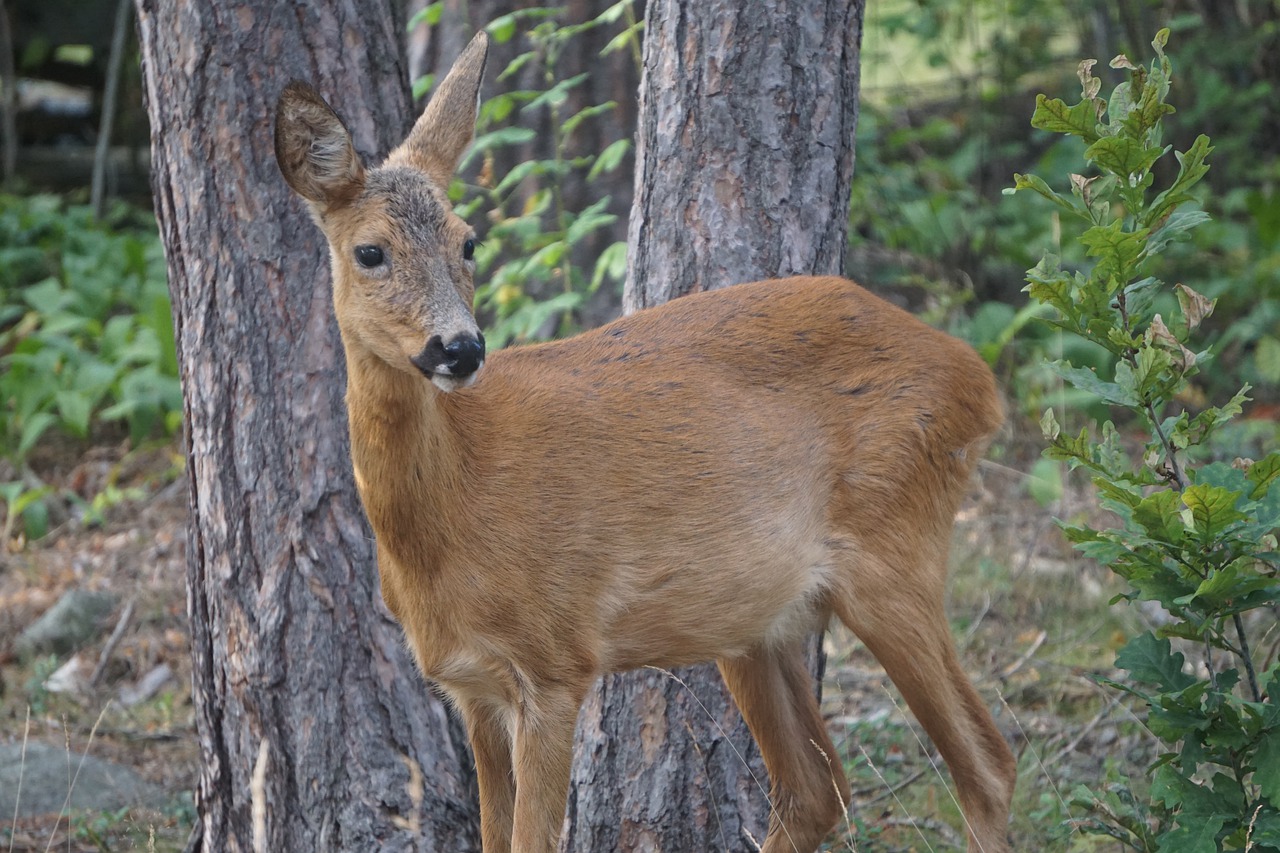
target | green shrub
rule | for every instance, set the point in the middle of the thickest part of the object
(86, 334)
(529, 265)
(1198, 538)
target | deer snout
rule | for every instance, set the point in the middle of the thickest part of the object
(458, 359)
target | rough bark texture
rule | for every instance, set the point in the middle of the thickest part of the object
(316, 731)
(745, 152)
(745, 145)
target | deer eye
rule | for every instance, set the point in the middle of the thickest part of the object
(369, 256)
(468, 249)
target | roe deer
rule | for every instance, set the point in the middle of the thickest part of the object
(710, 479)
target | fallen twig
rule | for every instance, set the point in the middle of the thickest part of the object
(114, 640)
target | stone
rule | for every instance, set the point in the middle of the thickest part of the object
(74, 619)
(99, 786)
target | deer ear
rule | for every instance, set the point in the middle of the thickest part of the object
(446, 127)
(314, 149)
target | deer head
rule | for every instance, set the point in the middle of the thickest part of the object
(401, 259)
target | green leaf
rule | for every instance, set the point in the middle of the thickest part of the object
(1199, 837)
(609, 158)
(1123, 156)
(1266, 763)
(1262, 474)
(572, 122)
(591, 219)
(628, 36)
(514, 66)
(423, 85)
(1037, 185)
(33, 427)
(429, 15)
(502, 28)
(1047, 282)
(1117, 250)
(504, 136)
(517, 174)
(1138, 297)
(1175, 228)
(1213, 509)
(495, 110)
(614, 12)
(1055, 116)
(548, 256)
(497, 138)
(1152, 661)
(1087, 380)
(1139, 117)
(1160, 515)
(1233, 582)
(75, 408)
(557, 94)
(1264, 830)
(612, 263)
(1191, 168)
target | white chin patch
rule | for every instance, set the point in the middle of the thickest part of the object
(448, 383)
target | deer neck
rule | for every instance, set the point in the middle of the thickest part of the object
(406, 457)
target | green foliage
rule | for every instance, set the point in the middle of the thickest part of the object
(945, 89)
(538, 263)
(85, 333)
(1199, 539)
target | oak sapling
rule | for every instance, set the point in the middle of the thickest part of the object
(1197, 537)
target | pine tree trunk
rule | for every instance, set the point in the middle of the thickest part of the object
(316, 731)
(744, 156)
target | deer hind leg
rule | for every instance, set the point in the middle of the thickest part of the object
(899, 615)
(808, 791)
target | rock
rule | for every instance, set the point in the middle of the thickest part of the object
(72, 677)
(148, 686)
(100, 785)
(73, 620)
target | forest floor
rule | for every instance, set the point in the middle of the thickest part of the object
(1031, 620)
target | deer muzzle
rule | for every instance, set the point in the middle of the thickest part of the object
(459, 358)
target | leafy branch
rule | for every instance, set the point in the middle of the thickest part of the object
(1198, 538)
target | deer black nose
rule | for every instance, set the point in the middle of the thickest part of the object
(461, 357)
(464, 354)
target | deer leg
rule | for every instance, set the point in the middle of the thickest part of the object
(808, 790)
(543, 758)
(900, 618)
(487, 728)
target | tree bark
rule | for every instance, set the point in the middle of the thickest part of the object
(744, 157)
(316, 731)
(745, 145)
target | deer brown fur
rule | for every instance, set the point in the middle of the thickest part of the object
(710, 479)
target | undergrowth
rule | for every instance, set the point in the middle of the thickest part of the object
(86, 338)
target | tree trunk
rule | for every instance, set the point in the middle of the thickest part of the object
(316, 731)
(744, 156)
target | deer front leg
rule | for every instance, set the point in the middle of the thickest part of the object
(543, 758)
(488, 727)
